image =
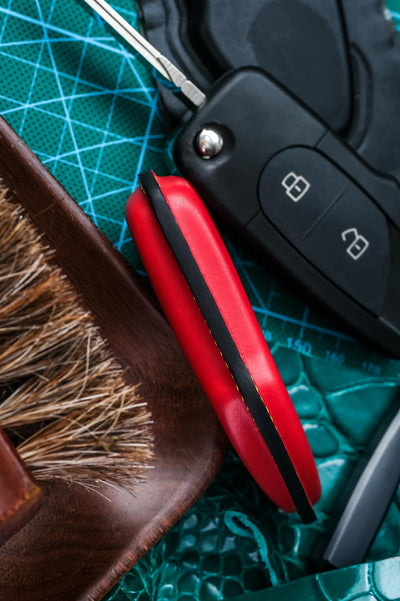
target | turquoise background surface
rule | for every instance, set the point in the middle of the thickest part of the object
(88, 108)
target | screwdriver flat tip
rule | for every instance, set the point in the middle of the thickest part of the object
(135, 40)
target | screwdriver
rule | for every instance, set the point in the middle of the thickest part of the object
(124, 30)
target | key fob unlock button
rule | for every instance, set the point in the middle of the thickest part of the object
(351, 246)
(297, 186)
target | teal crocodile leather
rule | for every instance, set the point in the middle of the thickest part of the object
(378, 580)
(234, 542)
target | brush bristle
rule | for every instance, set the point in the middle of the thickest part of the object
(63, 399)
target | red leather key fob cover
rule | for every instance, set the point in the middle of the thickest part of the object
(207, 307)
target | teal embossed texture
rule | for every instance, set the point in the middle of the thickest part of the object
(233, 541)
(88, 108)
(377, 580)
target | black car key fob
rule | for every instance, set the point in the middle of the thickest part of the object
(277, 174)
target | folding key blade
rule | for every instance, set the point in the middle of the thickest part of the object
(163, 65)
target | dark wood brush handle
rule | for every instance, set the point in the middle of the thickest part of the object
(20, 496)
(80, 543)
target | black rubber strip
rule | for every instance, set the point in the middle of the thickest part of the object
(226, 345)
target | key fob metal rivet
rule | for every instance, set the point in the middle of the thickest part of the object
(209, 143)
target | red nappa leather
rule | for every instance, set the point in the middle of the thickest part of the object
(199, 346)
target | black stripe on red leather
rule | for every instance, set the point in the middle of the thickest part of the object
(226, 345)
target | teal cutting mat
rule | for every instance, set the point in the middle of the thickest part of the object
(88, 108)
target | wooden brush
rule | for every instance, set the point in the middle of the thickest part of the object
(63, 401)
(82, 540)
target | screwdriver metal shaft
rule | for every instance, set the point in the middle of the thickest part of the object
(164, 66)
